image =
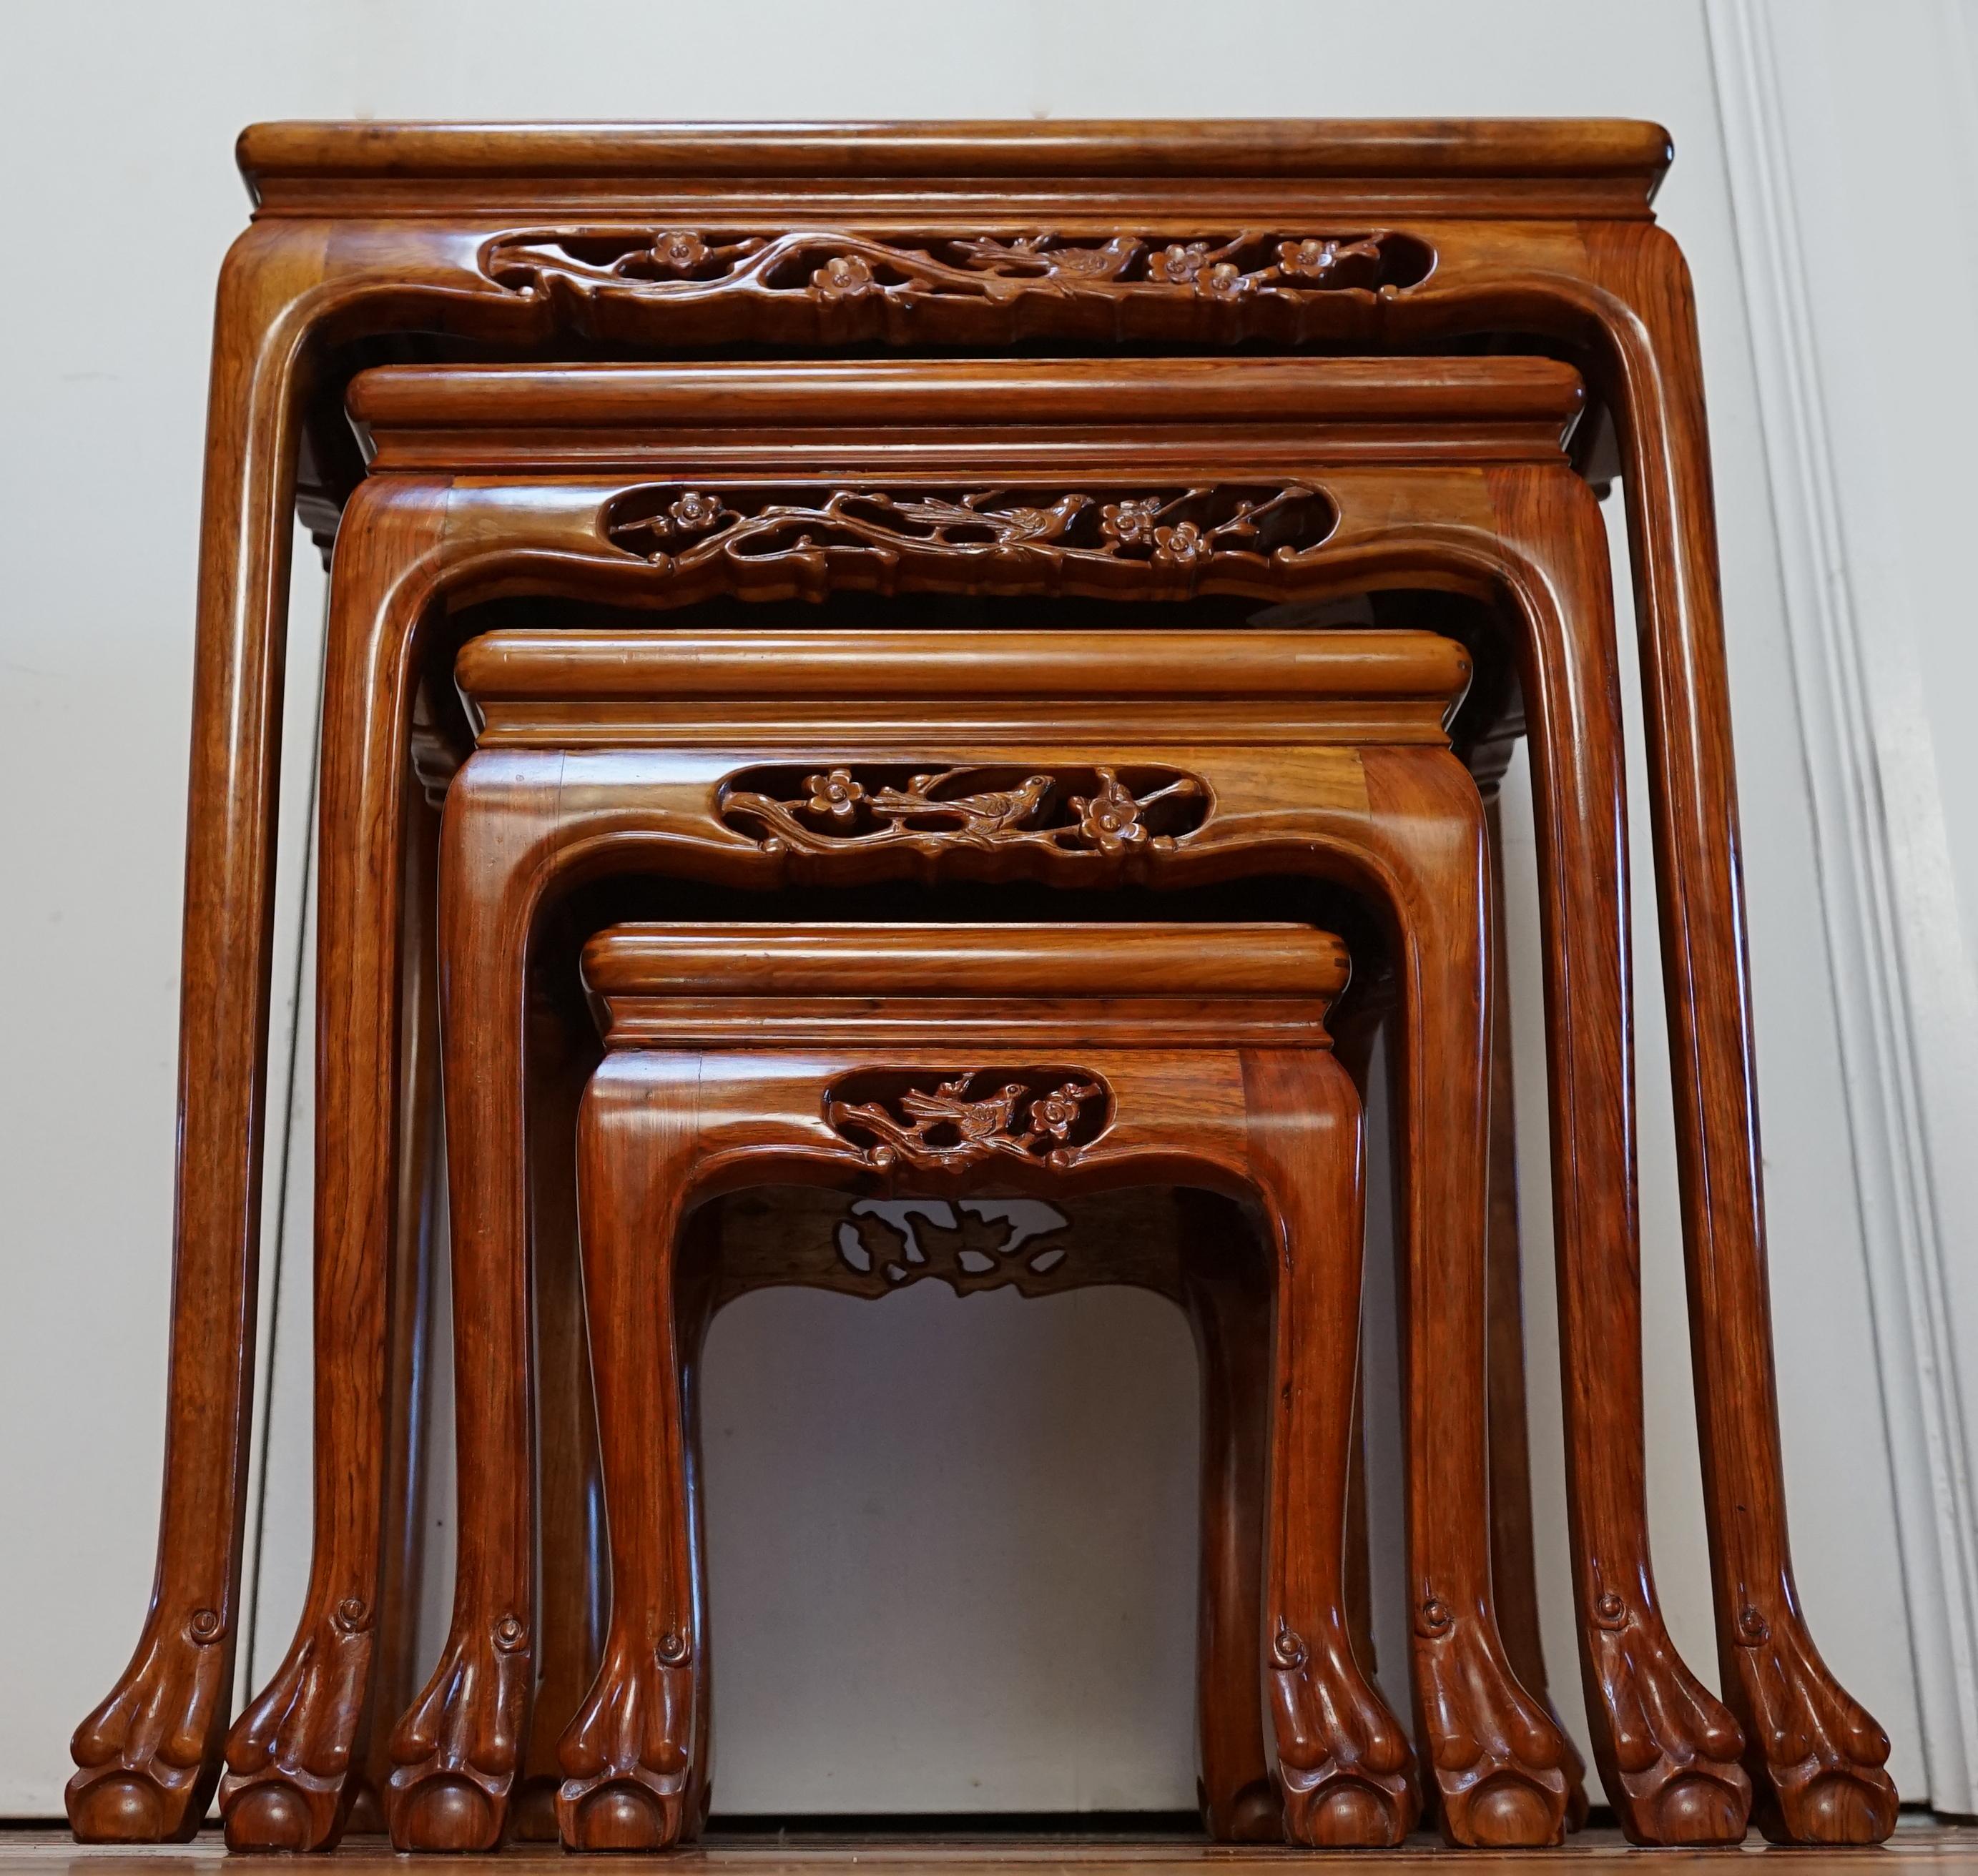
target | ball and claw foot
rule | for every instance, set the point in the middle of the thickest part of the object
(625, 1753)
(1498, 1760)
(1816, 1757)
(145, 1801)
(1255, 1814)
(148, 1758)
(457, 1752)
(534, 1810)
(1676, 1778)
(1343, 1763)
(290, 1779)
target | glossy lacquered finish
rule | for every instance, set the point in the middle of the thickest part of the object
(1343, 236)
(796, 760)
(706, 1086)
(1369, 499)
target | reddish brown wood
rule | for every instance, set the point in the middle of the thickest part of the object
(561, 1053)
(1399, 822)
(408, 1350)
(1263, 1114)
(1227, 1295)
(1538, 230)
(1524, 536)
(1513, 1567)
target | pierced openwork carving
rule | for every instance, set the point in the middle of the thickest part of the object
(1042, 1114)
(608, 281)
(1149, 543)
(885, 1244)
(1099, 810)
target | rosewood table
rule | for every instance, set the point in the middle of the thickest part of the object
(802, 762)
(1036, 1059)
(1385, 476)
(1341, 235)
(1368, 236)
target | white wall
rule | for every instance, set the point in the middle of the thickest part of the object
(1868, 390)
(116, 132)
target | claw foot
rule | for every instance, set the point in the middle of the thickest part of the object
(1816, 1756)
(1255, 1814)
(290, 1780)
(456, 1752)
(1676, 1779)
(533, 1818)
(626, 1754)
(1498, 1762)
(148, 1757)
(1342, 1761)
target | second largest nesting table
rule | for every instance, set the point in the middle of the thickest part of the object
(544, 240)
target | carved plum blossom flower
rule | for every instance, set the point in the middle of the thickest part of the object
(1225, 280)
(1181, 545)
(1309, 260)
(694, 512)
(678, 250)
(1178, 262)
(844, 276)
(1130, 522)
(834, 794)
(1054, 1113)
(1110, 819)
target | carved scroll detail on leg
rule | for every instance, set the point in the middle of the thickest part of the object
(1676, 1749)
(1342, 1760)
(459, 1749)
(289, 1779)
(1498, 1761)
(1816, 1755)
(143, 1772)
(626, 1755)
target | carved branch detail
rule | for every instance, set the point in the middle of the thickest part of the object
(1153, 544)
(600, 281)
(974, 807)
(1041, 1115)
(877, 1254)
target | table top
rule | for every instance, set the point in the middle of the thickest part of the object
(1549, 166)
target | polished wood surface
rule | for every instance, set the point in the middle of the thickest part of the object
(914, 235)
(1523, 536)
(1263, 1114)
(1920, 1847)
(1361, 789)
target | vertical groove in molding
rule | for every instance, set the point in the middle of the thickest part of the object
(1937, 1510)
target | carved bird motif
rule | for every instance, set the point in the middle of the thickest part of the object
(973, 1119)
(994, 811)
(1006, 526)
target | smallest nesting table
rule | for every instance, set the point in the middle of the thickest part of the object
(1043, 1060)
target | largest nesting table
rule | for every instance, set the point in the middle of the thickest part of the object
(544, 241)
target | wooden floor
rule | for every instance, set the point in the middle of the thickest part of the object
(1925, 1848)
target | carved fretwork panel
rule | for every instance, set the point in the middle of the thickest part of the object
(1137, 543)
(918, 1121)
(1098, 810)
(773, 1235)
(838, 289)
